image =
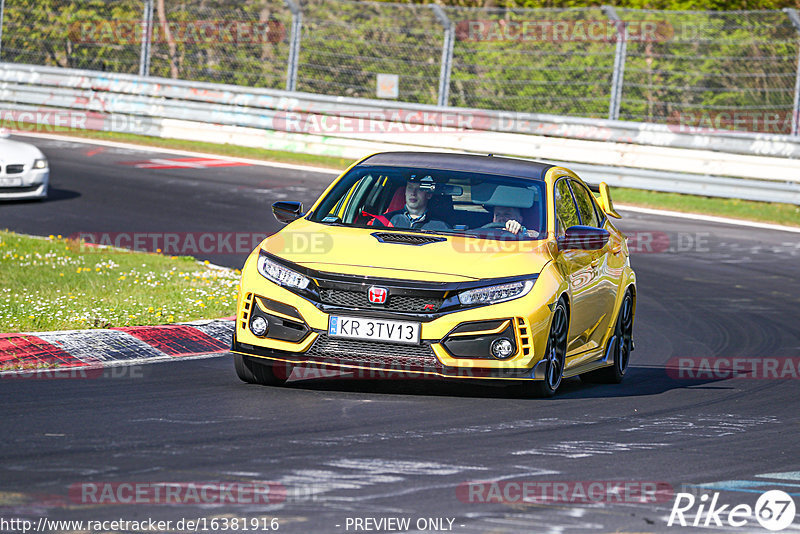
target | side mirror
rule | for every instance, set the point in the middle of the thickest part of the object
(583, 238)
(605, 201)
(287, 211)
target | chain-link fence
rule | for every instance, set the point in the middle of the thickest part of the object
(734, 68)
(346, 44)
(721, 70)
(522, 60)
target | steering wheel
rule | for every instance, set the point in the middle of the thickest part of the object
(494, 229)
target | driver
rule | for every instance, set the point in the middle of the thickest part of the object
(511, 221)
(415, 213)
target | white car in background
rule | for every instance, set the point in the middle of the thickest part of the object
(24, 172)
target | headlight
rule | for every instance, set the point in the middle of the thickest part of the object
(495, 294)
(40, 163)
(280, 274)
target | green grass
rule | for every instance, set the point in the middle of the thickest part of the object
(787, 214)
(58, 284)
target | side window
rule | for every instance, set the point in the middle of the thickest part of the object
(583, 199)
(566, 213)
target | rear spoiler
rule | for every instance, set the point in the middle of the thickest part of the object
(605, 201)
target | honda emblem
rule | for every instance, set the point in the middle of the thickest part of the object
(378, 295)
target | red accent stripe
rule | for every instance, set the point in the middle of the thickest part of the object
(184, 163)
(29, 352)
(176, 340)
(386, 222)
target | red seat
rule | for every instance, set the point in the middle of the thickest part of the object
(398, 200)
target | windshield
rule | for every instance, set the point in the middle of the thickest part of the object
(430, 200)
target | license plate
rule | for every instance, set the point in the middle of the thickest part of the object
(374, 329)
(10, 182)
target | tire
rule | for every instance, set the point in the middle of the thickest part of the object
(253, 372)
(621, 349)
(556, 354)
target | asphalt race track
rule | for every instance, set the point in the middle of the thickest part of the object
(371, 450)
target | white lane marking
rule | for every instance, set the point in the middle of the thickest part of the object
(326, 170)
(708, 218)
(586, 449)
(142, 148)
(703, 426)
(787, 475)
(400, 467)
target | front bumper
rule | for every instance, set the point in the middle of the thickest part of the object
(452, 345)
(31, 184)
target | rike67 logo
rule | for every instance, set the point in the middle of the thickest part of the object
(774, 510)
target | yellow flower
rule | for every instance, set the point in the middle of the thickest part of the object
(150, 310)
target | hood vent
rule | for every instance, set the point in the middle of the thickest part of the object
(406, 239)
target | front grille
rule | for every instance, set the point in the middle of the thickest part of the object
(15, 169)
(406, 239)
(374, 354)
(20, 189)
(399, 303)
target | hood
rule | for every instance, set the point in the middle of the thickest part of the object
(338, 249)
(17, 152)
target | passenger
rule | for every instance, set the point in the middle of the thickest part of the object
(415, 213)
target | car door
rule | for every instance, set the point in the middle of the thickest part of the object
(576, 266)
(604, 281)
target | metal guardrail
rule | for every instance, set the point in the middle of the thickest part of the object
(268, 100)
(621, 153)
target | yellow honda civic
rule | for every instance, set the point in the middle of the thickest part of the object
(455, 266)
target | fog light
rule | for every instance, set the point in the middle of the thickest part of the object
(502, 348)
(259, 326)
